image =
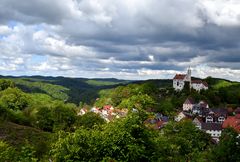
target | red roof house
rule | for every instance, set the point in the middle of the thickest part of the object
(232, 121)
(179, 76)
(107, 107)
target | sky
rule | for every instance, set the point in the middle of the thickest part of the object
(125, 39)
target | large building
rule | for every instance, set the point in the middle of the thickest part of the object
(180, 80)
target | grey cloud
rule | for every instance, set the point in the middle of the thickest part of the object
(120, 36)
(34, 11)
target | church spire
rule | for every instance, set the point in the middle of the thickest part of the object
(189, 77)
(189, 74)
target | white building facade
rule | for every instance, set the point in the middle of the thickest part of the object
(180, 80)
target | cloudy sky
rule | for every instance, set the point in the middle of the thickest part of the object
(127, 39)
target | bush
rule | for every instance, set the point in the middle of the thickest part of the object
(14, 98)
(58, 116)
(7, 153)
(88, 120)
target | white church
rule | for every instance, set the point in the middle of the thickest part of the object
(180, 80)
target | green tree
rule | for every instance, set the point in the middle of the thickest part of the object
(88, 120)
(166, 107)
(185, 142)
(123, 140)
(27, 154)
(44, 119)
(141, 101)
(4, 84)
(56, 116)
(14, 98)
(228, 148)
(7, 152)
(63, 116)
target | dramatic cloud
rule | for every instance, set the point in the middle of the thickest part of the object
(130, 39)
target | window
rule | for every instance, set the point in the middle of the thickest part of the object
(221, 119)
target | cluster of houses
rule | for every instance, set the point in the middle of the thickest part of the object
(180, 80)
(156, 121)
(108, 112)
(210, 120)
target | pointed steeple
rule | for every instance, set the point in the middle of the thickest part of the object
(189, 73)
(189, 77)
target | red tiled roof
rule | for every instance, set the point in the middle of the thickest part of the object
(179, 76)
(107, 106)
(160, 123)
(197, 81)
(232, 121)
(205, 83)
(200, 82)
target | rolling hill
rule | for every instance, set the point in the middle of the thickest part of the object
(67, 89)
(85, 90)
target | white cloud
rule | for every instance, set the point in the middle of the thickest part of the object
(204, 71)
(5, 30)
(133, 39)
(222, 12)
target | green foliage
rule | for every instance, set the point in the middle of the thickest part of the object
(17, 117)
(55, 91)
(66, 89)
(138, 102)
(230, 95)
(10, 154)
(181, 142)
(223, 84)
(4, 84)
(223, 92)
(13, 98)
(58, 116)
(27, 154)
(103, 101)
(166, 106)
(12, 102)
(22, 136)
(140, 96)
(44, 119)
(122, 140)
(102, 83)
(228, 148)
(121, 93)
(64, 116)
(129, 140)
(7, 152)
(89, 120)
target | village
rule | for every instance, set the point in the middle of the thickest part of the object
(209, 120)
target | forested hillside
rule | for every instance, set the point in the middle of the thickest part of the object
(38, 122)
(67, 89)
(161, 97)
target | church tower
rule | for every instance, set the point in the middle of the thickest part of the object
(189, 77)
(189, 74)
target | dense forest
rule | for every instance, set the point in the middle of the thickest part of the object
(39, 121)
